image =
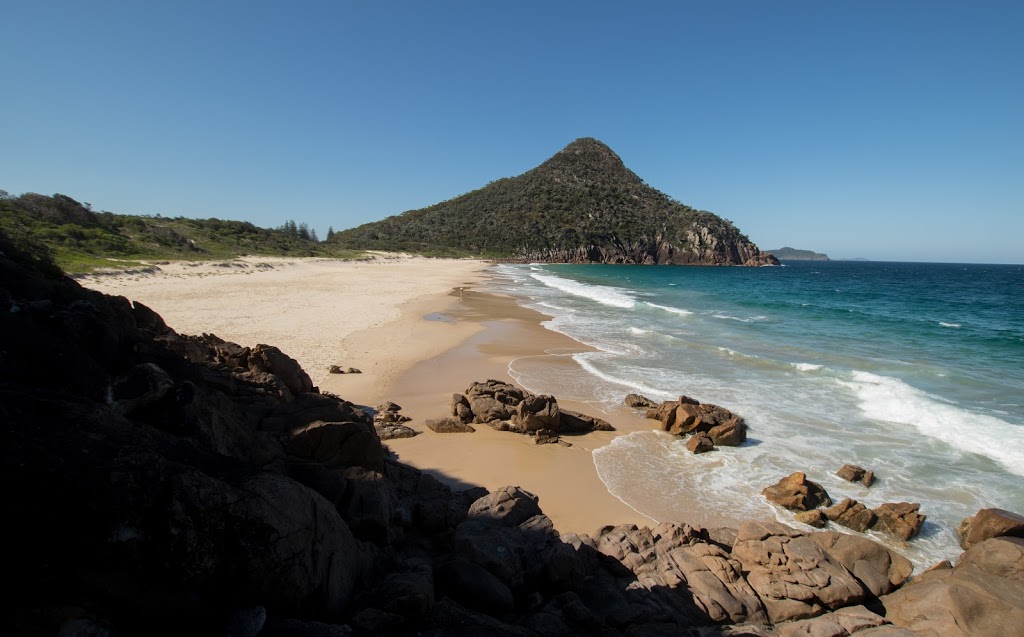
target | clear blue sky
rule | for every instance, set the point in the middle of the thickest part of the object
(878, 129)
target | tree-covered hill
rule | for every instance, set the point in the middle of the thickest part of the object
(582, 205)
(80, 239)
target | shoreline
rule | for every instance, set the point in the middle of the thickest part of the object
(565, 479)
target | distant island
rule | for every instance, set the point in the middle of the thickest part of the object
(580, 206)
(793, 254)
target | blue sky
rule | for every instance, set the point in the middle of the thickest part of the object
(884, 130)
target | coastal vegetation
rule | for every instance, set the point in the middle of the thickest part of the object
(79, 239)
(581, 205)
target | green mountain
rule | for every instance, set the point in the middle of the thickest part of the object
(792, 254)
(581, 206)
(79, 239)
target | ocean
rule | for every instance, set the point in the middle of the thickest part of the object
(913, 370)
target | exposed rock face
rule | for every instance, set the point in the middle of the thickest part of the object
(853, 473)
(797, 493)
(880, 570)
(989, 523)
(845, 621)
(792, 574)
(982, 596)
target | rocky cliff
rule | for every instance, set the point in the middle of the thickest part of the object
(580, 206)
(163, 484)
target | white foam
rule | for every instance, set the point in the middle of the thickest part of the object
(732, 352)
(891, 400)
(608, 378)
(673, 310)
(951, 325)
(606, 295)
(741, 320)
(806, 367)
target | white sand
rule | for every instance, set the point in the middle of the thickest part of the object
(314, 310)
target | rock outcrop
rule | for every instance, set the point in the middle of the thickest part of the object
(982, 596)
(506, 407)
(713, 425)
(989, 523)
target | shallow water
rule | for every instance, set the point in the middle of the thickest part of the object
(913, 370)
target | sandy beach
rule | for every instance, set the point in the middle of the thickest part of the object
(419, 330)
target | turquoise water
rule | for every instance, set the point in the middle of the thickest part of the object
(913, 370)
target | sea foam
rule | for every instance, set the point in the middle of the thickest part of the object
(892, 400)
(606, 295)
(673, 310)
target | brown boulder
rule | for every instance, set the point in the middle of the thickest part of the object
(880, 570)
(575, 422)
(793, 575)
(461, 408)
(982, 596)
(814, 517)
(700, 442)
(853, 473)
(392, 431)
(852, 515)
(899, 519)
(486, 409)
(989, 523)
(448, 425)
(636, 401)
(665, 413)
(797, 493)
(730, 433)
(537, 412)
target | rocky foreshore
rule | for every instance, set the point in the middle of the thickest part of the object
(165, 484)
